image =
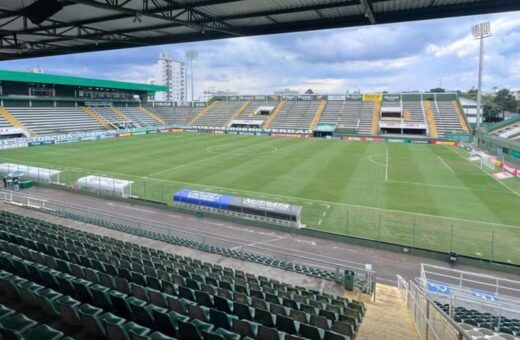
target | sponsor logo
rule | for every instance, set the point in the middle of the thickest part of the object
(420, 142)
(336, 97)
(372, 97)
(443, 142)
(126, 134)
(391, 98)
(395, 140)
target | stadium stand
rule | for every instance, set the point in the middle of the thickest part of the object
(54, 120)
(139, 117)
(446, 119)
(96, 286)
(345, 113)
(365, 118)
(153, 115)
(218, 114)
(430, 119)
(111, 117)
(175, 115)
(510, 131)
(97, 117)
(317, 115)
(376, 116)
(272, 116)
(415, 110)
(4, 123)
(295, 115)
(240, 111)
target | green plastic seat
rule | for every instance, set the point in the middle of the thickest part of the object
(310, 332)
(330, 335)
(47, 300)
(243, 311)
(343, 328)
(221, 320)
(68, 308)
(92, 320)
(42, 332)
(264, 317)
(245, 328)
(5, 312)
(113, 326)
(198, 312)
(267, 333)
(14, 326)
(27, 291)
(193, 330)
(286, 324)
(142, 314)
(221, 334)
(159, 336)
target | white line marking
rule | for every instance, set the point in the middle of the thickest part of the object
(386, 166)
(443, 162)
(202, 160)
(371, 159)
(262, 242)
(490, 175)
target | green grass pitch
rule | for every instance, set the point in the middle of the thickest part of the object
(429, 196)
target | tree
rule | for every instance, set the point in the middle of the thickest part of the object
(309, 91)
(505, 100)
(492, 113)
(438, 90)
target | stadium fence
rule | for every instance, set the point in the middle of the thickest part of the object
(406, 230)
(429, 320)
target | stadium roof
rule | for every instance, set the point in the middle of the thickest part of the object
(90, 25)
(77, 81)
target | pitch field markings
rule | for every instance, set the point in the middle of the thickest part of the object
(386, 166)
(201, 160)
(490, 175)
(446, 164)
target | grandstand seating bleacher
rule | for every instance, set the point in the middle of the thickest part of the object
(139, 117)
(4, 123)
(344, 113)
(97, 286)
(446, 118)
(295, 115)
(219, 113)
(249, 113)
(510, 131)
(482, 324)
(416, 111)
(55, 120)
(365, 118)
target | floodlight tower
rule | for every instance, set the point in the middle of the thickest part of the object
(191, 55)
(480, 32)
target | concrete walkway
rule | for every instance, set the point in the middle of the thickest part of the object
(387, 318)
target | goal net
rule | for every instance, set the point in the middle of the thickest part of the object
(488, 162)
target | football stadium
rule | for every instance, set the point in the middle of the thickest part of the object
(126, 214)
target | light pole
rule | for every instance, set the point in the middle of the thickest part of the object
(191, 55)
(480, 32)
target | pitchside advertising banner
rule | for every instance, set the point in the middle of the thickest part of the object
(13, 143)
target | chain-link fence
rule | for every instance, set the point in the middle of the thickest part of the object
(484, 240)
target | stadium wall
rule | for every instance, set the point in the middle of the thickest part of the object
(500, 147)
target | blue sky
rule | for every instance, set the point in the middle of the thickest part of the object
(396, 57)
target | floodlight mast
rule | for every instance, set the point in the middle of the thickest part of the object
(191, 55)
(480, 32)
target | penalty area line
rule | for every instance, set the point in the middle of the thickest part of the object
(446, 164)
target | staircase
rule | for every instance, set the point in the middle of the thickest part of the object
(239, 112)
(462, 120)
(201, 114)
(428, 112)
(13, 120)
(406, 114)
(274, 114)
(120, 114)
(153, 115)
(97, 117)
(375, 118)
(317, 116)
(387, 318)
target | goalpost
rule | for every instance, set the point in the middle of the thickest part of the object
(488, 162)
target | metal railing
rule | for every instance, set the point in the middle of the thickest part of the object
(430, 321)
(331, 264)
